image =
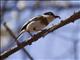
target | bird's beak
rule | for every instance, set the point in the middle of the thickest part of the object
(58, 17)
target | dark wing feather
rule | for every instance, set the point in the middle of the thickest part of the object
(42, 19)
(24, 26)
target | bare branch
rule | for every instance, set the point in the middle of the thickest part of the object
(15, 38)
(44, 32)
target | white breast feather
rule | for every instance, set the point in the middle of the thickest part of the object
(35, 24)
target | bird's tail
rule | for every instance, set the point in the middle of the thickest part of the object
(20, 33)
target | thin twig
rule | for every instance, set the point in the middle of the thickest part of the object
(44, 32)
(75, 49)
(13, 35)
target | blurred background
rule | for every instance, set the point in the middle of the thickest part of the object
(62, 44)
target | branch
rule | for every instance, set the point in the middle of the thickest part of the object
(15, 38)
(44, 32)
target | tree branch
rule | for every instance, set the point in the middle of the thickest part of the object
(44, 32)
(15, 38)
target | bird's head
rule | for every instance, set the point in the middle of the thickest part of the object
(50, 14)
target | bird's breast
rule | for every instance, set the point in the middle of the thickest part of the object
(35, 26)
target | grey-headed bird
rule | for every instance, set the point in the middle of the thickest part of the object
(38, 23)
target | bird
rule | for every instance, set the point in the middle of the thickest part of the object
(38, 23)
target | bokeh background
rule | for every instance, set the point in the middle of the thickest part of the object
(62, 44)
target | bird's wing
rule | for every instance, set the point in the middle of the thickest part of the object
(33, 19)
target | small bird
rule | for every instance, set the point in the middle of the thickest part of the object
(38, 23)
